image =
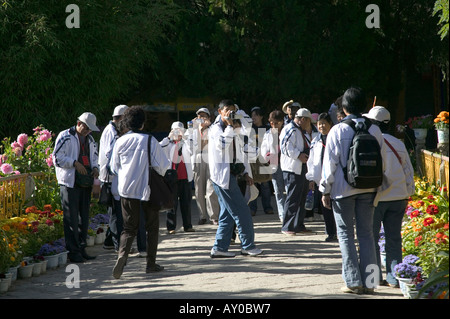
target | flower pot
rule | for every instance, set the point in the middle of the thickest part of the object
(4, 286)
(13, 271)
(403, 284)
(44, 266)
(52, 261)
(26, 271)
(442, 136)
(8, 278)
(90, 241)
(37, 268)
(420, 134)
(63, 258)
(413, 294)
(99, 239)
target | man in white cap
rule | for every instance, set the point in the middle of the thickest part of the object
(392, 199)
(205, 196)
(295, 141)
(109, 136)
(76, 165)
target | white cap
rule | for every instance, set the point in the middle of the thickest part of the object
(303, 113)
(379, 113)
(89, 119)
(204, 110)
(119, 110)
(290, 104)
(177, 125)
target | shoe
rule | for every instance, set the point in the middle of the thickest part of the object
(86, 256)
(202, 221)
(352, 290)
(288, 232)
(331, 238)
(154, 268)
(215, 222)
(171, 232)
(251, 252)
(190, 230)
(368, 291)
(221, 254)
(387, 284)
(269, 212)
(142, 254)
(305, 231)
(76, 259)
(118, 267)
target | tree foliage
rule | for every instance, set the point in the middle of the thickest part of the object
(50, 74)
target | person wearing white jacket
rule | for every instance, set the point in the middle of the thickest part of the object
(314, 174)
(109, 136)
(350, 204)
(130, 162)
(392, 199)
(295, 144)
(76, 151)
(179, 153)
(227, 160)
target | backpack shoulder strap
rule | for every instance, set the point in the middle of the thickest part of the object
(393, 150)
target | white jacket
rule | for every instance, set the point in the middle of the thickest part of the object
(401, 184)
(107, 140)
(314, 163)
(339, 140)
(67, 151)
(270, 149)
(129, 161)
(220, 152)
(291, 145)
(169, 148)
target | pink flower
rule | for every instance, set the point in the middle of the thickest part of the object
(17, 151)
(22, 139)
(6, 169)
(49, 161)
(44, 135)
(16, 145)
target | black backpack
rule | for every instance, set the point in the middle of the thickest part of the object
(364, 165)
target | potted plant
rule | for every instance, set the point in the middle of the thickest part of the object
(420, 125)
(441, 123)
(50, 253)
(406, 271)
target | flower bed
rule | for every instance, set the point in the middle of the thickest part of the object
(425, 233)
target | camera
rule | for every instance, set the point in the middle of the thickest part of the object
(235, 116)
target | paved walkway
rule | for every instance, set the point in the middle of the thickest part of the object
(294, 267)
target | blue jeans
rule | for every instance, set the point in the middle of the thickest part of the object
(357, 208)
(391, 215)
(279, 189)
(266, 193)
(233, 209)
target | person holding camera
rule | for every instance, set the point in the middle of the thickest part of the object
(206, 199)
(227, 161)
(179, 153)
(76, 165)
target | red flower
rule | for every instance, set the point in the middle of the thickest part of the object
(420, 203)
(430, 197)
(417, 240)
(446, 226)
(415, 213)
(428, 221)
(432, 209)
(49, 222)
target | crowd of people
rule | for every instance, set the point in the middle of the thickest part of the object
(223, 156)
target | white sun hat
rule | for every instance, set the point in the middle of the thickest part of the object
(89, 119)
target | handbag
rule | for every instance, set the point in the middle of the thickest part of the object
(84, 181)
(259, 177)
(105, 198)
(161, 195)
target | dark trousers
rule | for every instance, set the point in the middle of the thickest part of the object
(115, 224)
(131, 209)
(294, 206)
(181, 192)
(75, 204)
(328, 217)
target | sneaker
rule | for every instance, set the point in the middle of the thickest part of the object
(288, 232)
(118, 267)
(251, 252)
(171, 232)
(331, 238)
(142, 254)
(221, 254)
(352, 290)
